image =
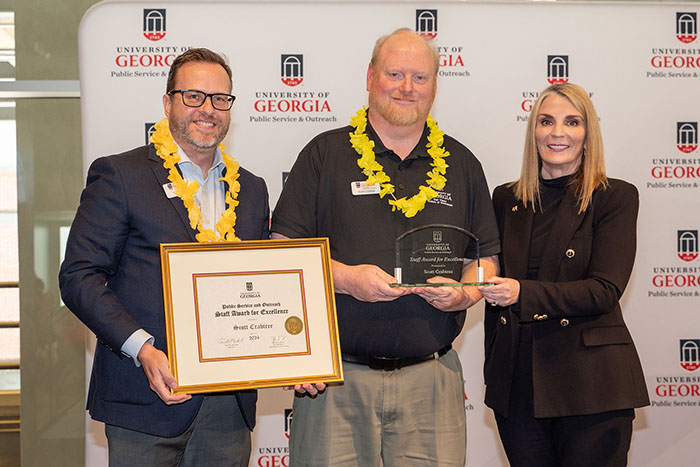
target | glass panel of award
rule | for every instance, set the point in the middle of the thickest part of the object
(436, 250)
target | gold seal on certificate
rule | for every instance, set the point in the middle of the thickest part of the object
(293, 325)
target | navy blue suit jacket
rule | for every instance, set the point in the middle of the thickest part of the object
(111, 280)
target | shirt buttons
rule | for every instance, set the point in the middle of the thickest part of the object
(540, 317)
(570, 253)
(504, 321)
(564, 322)
(401, 187)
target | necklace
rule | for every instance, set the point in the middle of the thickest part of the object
(375, 171)
(185, 190)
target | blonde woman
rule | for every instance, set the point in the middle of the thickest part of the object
(562, 373)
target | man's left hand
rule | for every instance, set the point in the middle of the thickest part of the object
(308, 388)
(445, 298)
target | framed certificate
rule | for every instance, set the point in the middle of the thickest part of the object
(251, 314)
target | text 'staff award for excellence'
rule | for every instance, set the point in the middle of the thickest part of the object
(435, 250)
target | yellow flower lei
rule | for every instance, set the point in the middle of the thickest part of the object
(375, 171)
(185, 190)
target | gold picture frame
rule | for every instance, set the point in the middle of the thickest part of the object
(250, 314)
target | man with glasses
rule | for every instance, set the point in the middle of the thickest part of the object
(111, 276)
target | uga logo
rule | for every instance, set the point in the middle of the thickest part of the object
(687, 244)
(687, 136)
(154, 24)
(690, 354)
(557, 69)
(426, 23)
(292, 69)
(150, 129)
(686, 27)
(288, 416)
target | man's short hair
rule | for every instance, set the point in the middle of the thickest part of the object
(195, 55)
(380, 42)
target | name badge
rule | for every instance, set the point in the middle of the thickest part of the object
(169, 190)
(361, 188)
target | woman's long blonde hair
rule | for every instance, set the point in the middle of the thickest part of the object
(590, 174)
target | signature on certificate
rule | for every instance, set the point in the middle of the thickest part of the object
(279, 341)
(230, 342)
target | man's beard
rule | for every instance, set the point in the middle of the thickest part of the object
(180, 128)
(396, 115)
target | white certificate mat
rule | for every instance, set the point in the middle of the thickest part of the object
(250, 314)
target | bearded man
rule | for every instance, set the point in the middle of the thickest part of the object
(363, 185)
(111, 276)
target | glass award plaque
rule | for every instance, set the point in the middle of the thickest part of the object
(434, 250)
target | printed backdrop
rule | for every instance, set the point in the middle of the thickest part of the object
(299, 69)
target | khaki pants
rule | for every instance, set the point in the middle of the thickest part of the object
(412, 416)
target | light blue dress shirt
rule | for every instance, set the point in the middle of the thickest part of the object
(211, 198)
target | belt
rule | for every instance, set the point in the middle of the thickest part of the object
(390, 364)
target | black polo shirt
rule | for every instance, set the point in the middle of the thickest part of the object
(317, 201)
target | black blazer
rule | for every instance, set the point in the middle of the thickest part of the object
(583, 357)
(111, 280)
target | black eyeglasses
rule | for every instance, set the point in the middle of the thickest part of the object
(195, 98)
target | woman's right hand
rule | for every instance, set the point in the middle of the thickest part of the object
(505, 292)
